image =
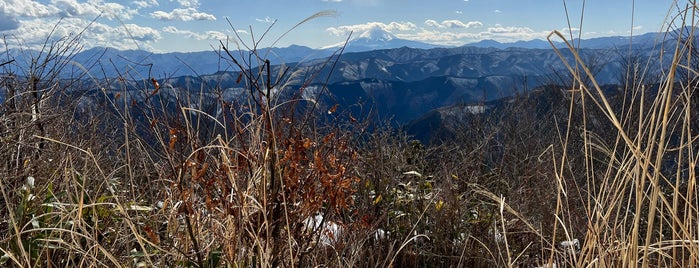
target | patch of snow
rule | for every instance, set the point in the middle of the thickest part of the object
(30, 182)
(380, 234)
(310, 92)
(329, 231)
(475, 109)
(573, 245)
(412, 172)
(377, 34)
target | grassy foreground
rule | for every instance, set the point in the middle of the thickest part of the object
(164, 177)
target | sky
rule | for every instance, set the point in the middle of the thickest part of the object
(199, 25)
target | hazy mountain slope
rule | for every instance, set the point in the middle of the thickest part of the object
(405, 101)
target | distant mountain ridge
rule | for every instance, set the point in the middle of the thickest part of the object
(109, 62)
(638, 41)
(401, 83)
(404, 83)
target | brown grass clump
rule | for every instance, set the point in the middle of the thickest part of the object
(638, 183)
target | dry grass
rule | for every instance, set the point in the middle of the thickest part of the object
(639, 177)
(162, 176)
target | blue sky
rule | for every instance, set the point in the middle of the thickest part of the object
(196, 25)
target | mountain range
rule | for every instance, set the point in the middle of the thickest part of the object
(109, 62)
(394, 78)
(640, 41)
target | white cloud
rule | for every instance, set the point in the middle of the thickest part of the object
(438, 37)
(138, 33)
(267, 19)
(216, 35)
(208, 35)
(33, 33)
(171, 29)
(454, 24)
(573, 30)
(509, 30)
(511, 33)
(497, 11)
(390, 27)
(93, 8)
(433, 23)
(336, 1)
(182, 14)
(71, 8)
(458, 36)
(188, 12)
(14, 12)
(189, 3)
(64, 8)
(114, 10)
(145, 3)
(26, 8)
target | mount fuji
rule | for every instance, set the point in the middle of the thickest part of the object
(377, 38)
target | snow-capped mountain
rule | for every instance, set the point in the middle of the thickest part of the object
(377, 38)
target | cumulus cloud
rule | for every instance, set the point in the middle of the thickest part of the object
(26, 8)
(29, 23)
(438, 37)
(114, 10)
(216, 35)
(15, 9)
(511, 33)
(71, 8)
(441, 34)
(94, 8)
(188, 3)
(171, 29)
(573, 30)
(182, 14)
(509, 30)
(32, 33)
(139, 33)
(145, 3)
(189, 11)
(433, 23)
(390, 27)
(454, 24)
(208, 35)
(459, 24)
